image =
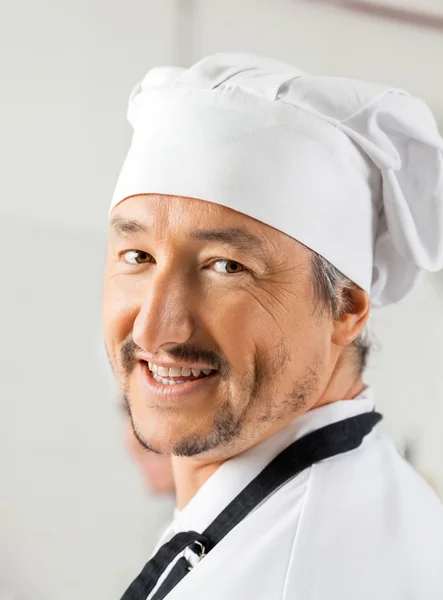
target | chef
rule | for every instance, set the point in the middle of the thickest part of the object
(259, 217)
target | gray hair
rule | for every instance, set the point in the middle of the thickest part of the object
(330, 286)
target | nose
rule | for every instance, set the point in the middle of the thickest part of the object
(164, 317)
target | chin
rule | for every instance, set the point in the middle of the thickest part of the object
(180, 431)
(160, 442)
(182, 443)
(164, 434)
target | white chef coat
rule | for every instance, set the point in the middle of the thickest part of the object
(358, 526)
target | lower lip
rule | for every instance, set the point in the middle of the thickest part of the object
(179, 390)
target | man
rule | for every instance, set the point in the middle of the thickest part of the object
(260, 213)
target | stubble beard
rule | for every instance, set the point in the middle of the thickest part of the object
(230, 430)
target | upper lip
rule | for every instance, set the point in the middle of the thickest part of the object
(174, 365)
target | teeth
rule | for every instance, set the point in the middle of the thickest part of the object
(166, 381)
(166, 375)
(175, 372)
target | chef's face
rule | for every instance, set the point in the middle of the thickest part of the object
(194, 285)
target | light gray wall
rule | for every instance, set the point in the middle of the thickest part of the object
(75, 522)
(66, 72)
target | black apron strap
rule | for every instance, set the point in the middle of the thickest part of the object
(146, 581)
(321, 444)
(179, 570)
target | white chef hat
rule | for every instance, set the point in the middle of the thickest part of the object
(353, 170)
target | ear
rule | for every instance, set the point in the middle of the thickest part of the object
(355, 313)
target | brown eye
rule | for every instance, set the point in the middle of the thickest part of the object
(229, 267)
(137, 257)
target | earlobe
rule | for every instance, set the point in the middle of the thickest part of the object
(355, 313)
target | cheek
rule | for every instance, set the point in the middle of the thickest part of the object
(244, 332)
(120, 309)
(310, 347)
(283, 331)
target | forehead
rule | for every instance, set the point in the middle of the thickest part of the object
(158, 214)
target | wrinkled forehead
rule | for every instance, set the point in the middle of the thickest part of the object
(163, 215)
(156, 208)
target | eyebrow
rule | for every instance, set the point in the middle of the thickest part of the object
(125, 226)
(238, 238)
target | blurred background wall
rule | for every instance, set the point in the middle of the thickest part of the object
(75, 520)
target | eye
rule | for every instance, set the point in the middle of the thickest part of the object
(228, 267)
(137, 257)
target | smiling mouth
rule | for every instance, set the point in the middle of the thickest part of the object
(176, 375)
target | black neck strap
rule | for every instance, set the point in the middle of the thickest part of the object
(321, 444)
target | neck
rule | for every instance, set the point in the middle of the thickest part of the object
(190, 473)
(189, 476)
(344, 384)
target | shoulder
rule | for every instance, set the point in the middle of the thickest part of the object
(370, 528)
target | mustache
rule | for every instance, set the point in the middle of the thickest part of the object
(186, 353)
